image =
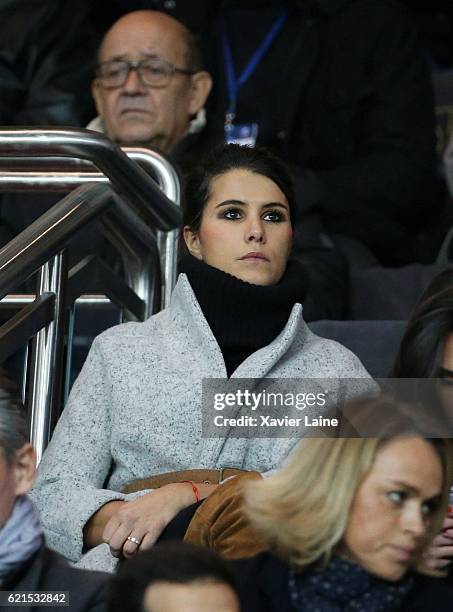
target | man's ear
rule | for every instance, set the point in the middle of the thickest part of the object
(192, 241)
(24, 467)
(201, 85)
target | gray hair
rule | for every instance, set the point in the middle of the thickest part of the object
(13, 426)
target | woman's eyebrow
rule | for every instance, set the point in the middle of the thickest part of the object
(412, 489)
(242, 203)
(275, 205)
(231, 203)
(403, 484)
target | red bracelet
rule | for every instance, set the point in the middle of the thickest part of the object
(194, 488)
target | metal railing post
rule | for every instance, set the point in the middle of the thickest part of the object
(19, 148)
(46, 358)
(169, 182)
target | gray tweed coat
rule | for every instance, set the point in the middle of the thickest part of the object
(135, 411)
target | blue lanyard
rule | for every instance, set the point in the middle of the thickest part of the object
(233, 83)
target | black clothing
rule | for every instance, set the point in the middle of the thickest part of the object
(177, 527)
(343, 94)
(46, 53)
(344, 585)
(263, 587)
(49, 571)
(243, 317)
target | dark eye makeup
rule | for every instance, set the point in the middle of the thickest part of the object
(234, 213)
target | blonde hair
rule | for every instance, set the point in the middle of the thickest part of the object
(303, 510)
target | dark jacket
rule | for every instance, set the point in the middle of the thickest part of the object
(344, 95)
(263, 587)
(49, 571)
(46, 61)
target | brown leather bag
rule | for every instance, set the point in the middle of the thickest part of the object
(221, 524)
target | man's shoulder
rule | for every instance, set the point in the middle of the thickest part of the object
(195, 146)
(58, 565)
(86, 590)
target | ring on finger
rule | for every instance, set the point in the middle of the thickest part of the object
(133, 540)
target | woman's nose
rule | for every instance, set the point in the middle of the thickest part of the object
(255, 231)
(414, 521)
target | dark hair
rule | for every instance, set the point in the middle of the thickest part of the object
(228, 157)
(389, 415)
(421, 350)
(177, 562)
(13, 426)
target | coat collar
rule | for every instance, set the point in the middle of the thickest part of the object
(258, 364)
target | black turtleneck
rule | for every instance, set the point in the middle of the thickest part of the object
(243, 317)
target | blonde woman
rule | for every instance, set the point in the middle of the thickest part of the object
(347, 521)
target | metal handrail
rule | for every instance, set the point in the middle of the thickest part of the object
(46, 236)
(34, 174)
(61, 174)
(21, 257)
(49, 233)
(127, 177)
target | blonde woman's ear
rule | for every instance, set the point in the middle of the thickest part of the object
(192, 241)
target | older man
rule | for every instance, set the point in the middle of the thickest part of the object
(150, 88)
(26, 564)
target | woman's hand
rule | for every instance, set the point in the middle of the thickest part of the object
(440, 553)
(145, 518)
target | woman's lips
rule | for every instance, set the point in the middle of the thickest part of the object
(403, 553)
(254, 256)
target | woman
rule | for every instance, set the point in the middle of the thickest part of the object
(426, 351)
(347, 520)
(135, 409)
(428, 340)
(25, 562)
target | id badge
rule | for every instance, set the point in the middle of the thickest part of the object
(244, 134)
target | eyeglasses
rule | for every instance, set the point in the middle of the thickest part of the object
(152, 72)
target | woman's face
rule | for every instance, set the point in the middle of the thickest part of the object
(394, 507)
(16, 478)
(245, 228)
(7, 489)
